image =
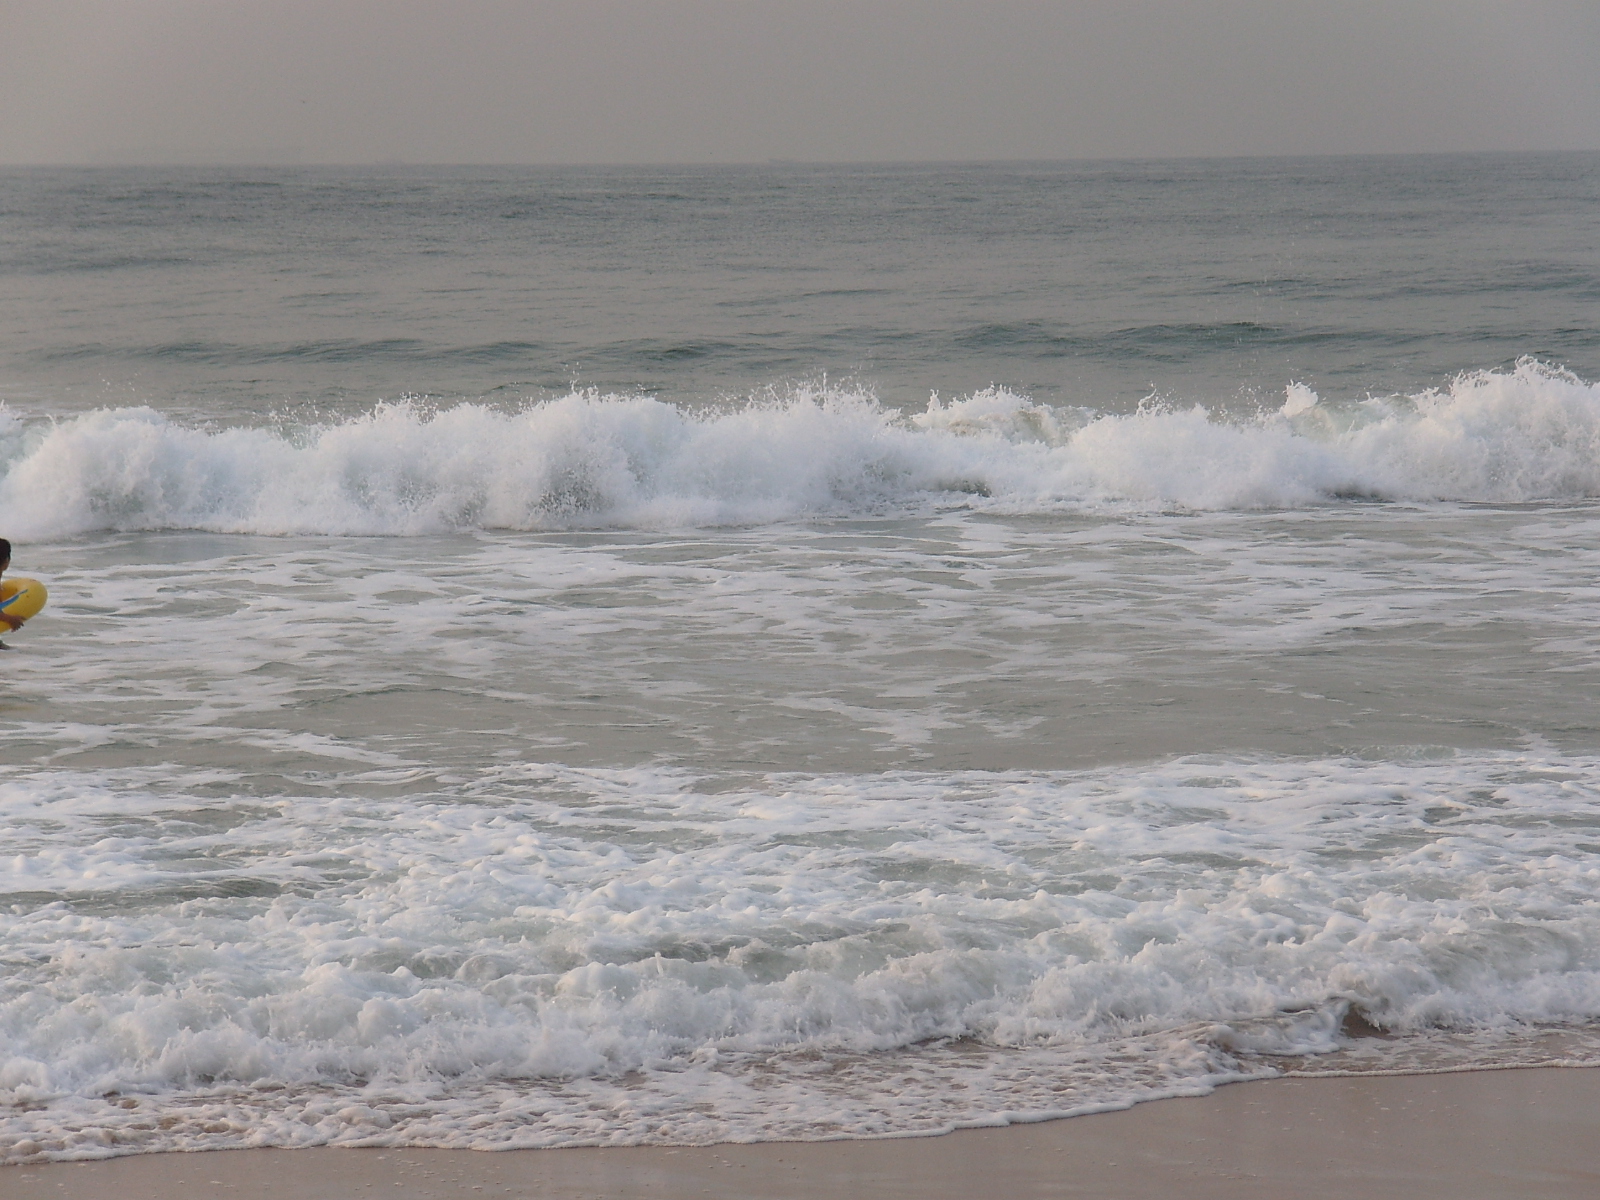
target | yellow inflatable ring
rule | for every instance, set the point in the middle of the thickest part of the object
(21, 599)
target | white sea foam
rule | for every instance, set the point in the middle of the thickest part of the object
(537, 955)
(591, 459)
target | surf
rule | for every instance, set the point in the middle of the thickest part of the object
(588, 459)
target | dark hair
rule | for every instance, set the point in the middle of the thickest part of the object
(5, 551)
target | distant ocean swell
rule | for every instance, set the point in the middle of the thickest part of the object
(588, 459)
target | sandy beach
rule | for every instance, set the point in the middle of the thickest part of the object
(1494, 1135)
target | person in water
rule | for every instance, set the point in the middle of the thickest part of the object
(5, 565)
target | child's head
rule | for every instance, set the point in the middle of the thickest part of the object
(5, 554)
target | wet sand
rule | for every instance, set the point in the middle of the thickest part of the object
(1492, 1135)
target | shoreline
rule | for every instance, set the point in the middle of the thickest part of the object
(1493, 1134)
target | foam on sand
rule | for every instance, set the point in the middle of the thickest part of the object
(1512, 1135)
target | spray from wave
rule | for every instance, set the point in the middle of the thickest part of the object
(589, 459)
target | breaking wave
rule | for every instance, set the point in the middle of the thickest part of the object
(587, 459)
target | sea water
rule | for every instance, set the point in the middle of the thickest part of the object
(574, 656)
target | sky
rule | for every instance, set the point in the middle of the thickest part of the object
(665, 81)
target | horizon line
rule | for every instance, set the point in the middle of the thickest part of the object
(271, 161)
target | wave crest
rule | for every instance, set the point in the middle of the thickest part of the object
(1530, 433)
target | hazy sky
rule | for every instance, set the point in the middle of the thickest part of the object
(486, 81)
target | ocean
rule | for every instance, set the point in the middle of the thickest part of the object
(556, 656)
